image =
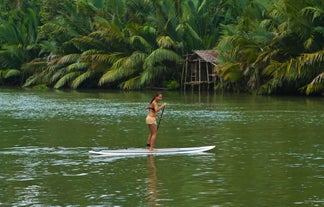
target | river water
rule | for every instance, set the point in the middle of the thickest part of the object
(269, 150)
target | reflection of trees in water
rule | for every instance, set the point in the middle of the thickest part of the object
(151, 181)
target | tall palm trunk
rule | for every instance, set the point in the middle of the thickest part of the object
(18, 4)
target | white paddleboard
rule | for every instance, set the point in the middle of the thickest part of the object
(140, 151)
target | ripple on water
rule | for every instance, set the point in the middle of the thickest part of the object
(275, 163)
(29, 106)
(36, 151)
(32, 163)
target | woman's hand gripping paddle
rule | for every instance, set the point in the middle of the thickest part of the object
(160, 118)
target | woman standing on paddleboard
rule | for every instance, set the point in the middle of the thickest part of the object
(151, 119)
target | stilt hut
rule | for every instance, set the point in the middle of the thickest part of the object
(199, 69)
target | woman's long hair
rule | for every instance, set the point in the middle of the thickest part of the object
(156, 95)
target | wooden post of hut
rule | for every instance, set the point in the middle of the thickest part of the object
(198, 70)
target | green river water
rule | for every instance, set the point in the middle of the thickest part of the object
(269, 150)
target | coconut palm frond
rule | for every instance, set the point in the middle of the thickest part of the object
(311, 59)
(293, 70)
(81, 78)
(135, 60)
(230, 71)
(31, 80)
(272, 68)
(159, 55)
(119, 62)
(68, 59)
(289, 70)
(57, 75)
(105, 35)
(227, 43)
(67, 78)
(11, 73)
(115, 74)
(100, 22)
(249, 53)
(315, 12)
(104, 58)
(52, 27)
(91, 52)
(77, 66)
(52, 68)
(271, 86)
(111, 32)
(282, 70)
(317, 85)
(309, 42)
(34, 66)
(149, 76)
(319, 29)
(108, 77)
(165, 42)
(138, 40)
(86, 43)
(194, 36)
(48, 47)
(149, 30)
(12, 56)
(39, 71)
(124, 67)
(266, 56)
(5, 60)
(131, 84)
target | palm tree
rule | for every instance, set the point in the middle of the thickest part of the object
(61, 58)
(240, 46)
(279, 52)
(140, 62)
(19, 42)
(314, 59)
(146, 58)
(298, 58)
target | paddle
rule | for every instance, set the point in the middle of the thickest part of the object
(160, 118)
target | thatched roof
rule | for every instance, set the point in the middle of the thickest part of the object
(207, 55)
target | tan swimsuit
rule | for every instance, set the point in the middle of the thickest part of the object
(150, 119)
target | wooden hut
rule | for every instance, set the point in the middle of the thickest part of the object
(199, 69)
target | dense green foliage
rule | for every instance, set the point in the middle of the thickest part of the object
(277, 51)
(266, 47)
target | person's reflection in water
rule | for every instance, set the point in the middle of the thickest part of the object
(152, 179)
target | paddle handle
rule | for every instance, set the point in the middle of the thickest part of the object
(160, 118)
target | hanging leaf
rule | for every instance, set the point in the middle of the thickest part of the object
(81, 78)
(66, 79)
(11, 73)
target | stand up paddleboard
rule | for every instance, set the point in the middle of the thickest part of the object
(140, 151)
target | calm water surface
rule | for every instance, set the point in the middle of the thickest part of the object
(270, 150)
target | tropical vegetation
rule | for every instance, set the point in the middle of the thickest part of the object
(265, 46)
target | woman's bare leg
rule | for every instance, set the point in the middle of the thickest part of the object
(148, 140)
(153, 133)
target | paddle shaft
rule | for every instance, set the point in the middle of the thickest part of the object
(160, 118)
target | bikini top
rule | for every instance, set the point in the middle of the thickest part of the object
(150, 108)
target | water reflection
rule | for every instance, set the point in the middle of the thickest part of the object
(270, 150)
(152, 181)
